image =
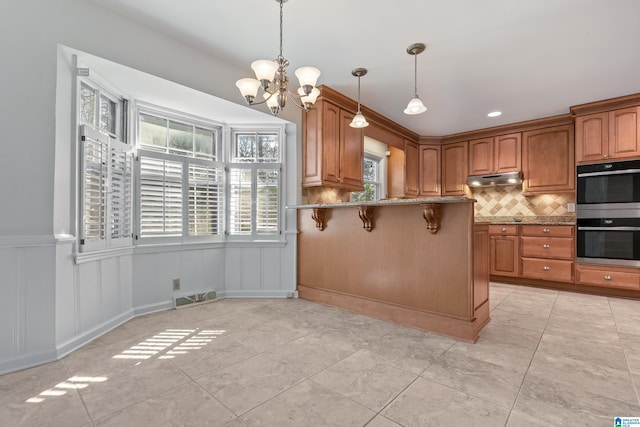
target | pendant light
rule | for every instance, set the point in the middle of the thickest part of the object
(358, 120)
(415, 106)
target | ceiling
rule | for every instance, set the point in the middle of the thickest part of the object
(527, 58)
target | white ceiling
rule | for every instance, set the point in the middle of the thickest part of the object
(527, 58)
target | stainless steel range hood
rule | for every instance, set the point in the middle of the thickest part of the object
(507, 178)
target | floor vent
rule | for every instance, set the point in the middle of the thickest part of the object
(191, 300)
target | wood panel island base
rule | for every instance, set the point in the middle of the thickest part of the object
(415, 262)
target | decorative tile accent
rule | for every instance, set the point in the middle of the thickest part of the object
(509, 201)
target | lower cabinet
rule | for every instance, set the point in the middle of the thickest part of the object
(613, 277)
(505, 250)
(547, 252)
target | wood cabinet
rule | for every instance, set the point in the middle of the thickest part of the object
(504, 250)
(548, 160)
(613, 277)
(547, 252)
(608, 135)
(411, 164)
(454, 169)
(430, 176)
(332, 151)
(481, 257)
(402, 174)
(495, 155)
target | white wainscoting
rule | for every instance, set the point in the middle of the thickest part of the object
(27, 293)
(50, 305)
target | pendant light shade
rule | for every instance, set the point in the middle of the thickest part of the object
(415, 106)
(358, 120)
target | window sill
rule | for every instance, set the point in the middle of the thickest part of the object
(84, 257)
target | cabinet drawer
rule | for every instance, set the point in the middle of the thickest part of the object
(547, 230)
(547, 247)
(504, 229)
(547, 269)
(607, 277)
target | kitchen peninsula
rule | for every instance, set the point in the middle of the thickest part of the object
(416, 262)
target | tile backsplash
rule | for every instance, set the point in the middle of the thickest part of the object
(509, 201)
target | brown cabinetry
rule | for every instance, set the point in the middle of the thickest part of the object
(430, 177)
(613, 277)
(454, 169)
(548, 160)
(332, 151)
(608, 135)
(547, 252)
(495, 155)
(504, 250)
(411, 162)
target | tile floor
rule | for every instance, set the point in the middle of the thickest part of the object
(547, 358)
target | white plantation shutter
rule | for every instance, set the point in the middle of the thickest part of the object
(205, 200)
(160, 197)
(106, 191)
(240, 200)
(94, 148)
(119, 194)
(268, 201)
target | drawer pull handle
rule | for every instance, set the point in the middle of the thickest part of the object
(545, 268)
(504, 229)
(607, 277)
(546, 246)
(545, 230)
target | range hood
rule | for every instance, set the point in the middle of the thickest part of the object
(507, 178)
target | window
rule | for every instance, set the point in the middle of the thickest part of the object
(180, 177)
(254, 184)
(371, 178)
(105, 171)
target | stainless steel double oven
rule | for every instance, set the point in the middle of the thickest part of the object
(608, 213)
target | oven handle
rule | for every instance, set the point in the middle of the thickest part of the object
(608, 228)
(618, 172)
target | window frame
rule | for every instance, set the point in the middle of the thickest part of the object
(378, 184)
(196, 122)
(255, 236)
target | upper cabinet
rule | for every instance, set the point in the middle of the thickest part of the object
(332, 151)
(430, 176)
(548, 160)
(608, 135)
(495, 154)
(411, 165)
(454, 169)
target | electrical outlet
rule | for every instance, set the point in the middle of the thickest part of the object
(571, 207)
(176, 284)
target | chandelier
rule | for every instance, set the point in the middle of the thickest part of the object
(271, 76)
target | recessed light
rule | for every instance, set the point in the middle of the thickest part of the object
(495, 114)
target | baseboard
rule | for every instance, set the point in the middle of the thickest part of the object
(21, 362)
(257, 294)
(90, 335)
(153, 308)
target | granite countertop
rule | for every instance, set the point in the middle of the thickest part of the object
(532, 220)
(387, 202)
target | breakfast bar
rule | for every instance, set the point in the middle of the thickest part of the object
(417, 262)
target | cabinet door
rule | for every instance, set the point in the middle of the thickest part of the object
(454, 169)
(507, 153)
(505, 256)
(624, 131)
(592, 137)
(548, 160)
(351, 153)
(330, 143)
(312, 146)
(429, 170)
(411, 162)
(481, 156)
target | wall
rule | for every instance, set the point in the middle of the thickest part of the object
(49, 304)
(509, 201)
